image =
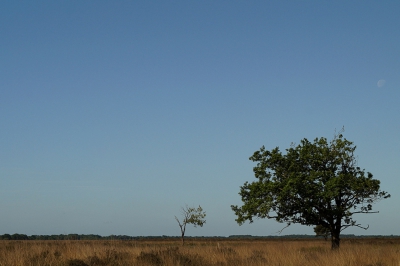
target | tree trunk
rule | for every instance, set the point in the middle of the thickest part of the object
(183, 239)
(335, 241)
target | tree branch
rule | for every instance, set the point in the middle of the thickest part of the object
(365, 212)
(357, 225)
(280, 231)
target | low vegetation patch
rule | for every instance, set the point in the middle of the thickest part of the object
(207, 252)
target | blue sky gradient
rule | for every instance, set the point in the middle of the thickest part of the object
(115, 114)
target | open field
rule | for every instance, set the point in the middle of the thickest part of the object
(196, 252)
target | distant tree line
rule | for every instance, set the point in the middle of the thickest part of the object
(90, 237)
(65, 237)
(125, 237)
(311, 236)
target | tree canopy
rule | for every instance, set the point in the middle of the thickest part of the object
(313, 183)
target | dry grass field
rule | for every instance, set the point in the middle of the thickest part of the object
(357, 252)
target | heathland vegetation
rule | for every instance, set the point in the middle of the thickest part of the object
(199, 252)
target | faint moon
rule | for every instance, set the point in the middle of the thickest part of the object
(381, 83)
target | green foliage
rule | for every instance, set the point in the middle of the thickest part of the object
(313, 183)
(322, 231)
(193, 216)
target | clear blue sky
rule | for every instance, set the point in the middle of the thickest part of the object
(114, 114)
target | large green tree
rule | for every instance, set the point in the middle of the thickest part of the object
(313, 183)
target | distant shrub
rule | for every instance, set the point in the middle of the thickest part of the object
(76, 262)
(149, 258)
(39, 259)
(95, 260)
(168, 257)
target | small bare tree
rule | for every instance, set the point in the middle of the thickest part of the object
(193, 216)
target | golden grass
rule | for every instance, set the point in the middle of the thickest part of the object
(197, 252)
